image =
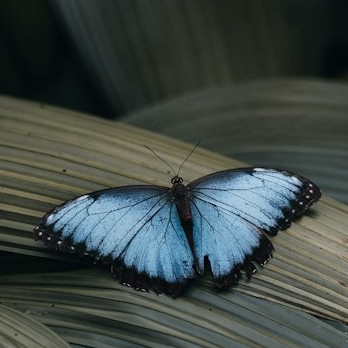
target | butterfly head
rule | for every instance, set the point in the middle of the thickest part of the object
(179, 190)
(176, 180)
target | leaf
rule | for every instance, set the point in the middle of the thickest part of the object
(17, 329)
(48, 155)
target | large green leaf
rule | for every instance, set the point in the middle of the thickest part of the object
(48, 155)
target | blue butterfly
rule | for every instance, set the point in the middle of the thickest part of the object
(159, 237)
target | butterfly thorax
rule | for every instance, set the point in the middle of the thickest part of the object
(181, 196)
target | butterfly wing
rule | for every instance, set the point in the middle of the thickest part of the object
(231, 210)
(137, 228)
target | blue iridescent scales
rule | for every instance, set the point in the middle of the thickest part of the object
(159, 237)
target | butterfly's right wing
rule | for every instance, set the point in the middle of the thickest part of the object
(136, 228)
(233, 209)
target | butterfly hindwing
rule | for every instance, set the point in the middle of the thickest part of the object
(135, 227)
(232, 210)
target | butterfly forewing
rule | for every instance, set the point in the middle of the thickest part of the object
(231, 211)
(136, 227)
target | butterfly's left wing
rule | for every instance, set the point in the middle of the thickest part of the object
(136, 228)
(232, 210)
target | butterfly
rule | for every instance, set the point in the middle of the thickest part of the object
(159, 237)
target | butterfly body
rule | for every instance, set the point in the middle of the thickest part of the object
(158, 237)
(181, 195)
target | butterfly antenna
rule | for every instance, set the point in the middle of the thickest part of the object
(161, 159)
(187, 157)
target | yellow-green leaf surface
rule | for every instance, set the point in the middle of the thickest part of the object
(17, 330)
(295, 124)
(48, 155)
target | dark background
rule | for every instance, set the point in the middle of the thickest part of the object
(39, 60)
